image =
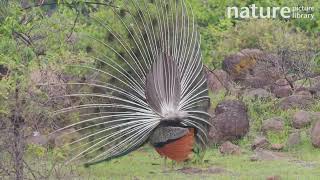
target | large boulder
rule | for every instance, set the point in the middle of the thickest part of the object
(252, 68)
(275, 124)
(301, 119)
(230, 121)
(315, 134)
(239, 64)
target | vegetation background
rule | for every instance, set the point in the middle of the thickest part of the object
(39, 38)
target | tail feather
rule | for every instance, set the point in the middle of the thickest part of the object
(163, 87)
(154, 74)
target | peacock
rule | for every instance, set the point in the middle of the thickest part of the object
(151, 89)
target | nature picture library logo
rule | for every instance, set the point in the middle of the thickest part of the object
(253, 11)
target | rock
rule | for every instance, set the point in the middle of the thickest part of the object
(229, 149)
(275, 124)
(273, 178)
(256, 82)
(238, 65)
(315, 88)
(281, 88)
(258, 94)
(230, 105)
(281, 82)
(260, 142)
(301, 119)
(230, 122)
(315, 134)
(294, 139)
(38, 139)
(253, 68)
(217, 80)
(296, 101)
(277, 147)
(303, 93)
(63, 137)
(254, 158)
(281, 92)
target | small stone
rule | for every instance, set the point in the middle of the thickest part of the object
(254, 158)
(229, 149)
(277, 147)
(273, 178)
(260, 142)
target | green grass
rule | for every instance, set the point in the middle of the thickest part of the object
(302, 162)
(146, 164)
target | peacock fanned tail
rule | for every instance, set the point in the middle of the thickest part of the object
(149, 73)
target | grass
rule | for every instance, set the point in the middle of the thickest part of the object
(146, 164)
(303, 160)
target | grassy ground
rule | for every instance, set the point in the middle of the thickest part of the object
(146, 164)
(300, 162)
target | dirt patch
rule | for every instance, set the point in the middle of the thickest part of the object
(209, 170)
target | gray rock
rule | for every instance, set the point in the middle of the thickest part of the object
(275, 124)
(260, 142)
(228, 148)
(230, 122)
(38, 139)
(296, 101)
(277, 147)
(301, 119)
(217, 80)
(63, 137)
(283, 91)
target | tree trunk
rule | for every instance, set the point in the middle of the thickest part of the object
(18, 149)
(18, 140)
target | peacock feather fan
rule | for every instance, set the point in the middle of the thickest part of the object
(148, 83)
